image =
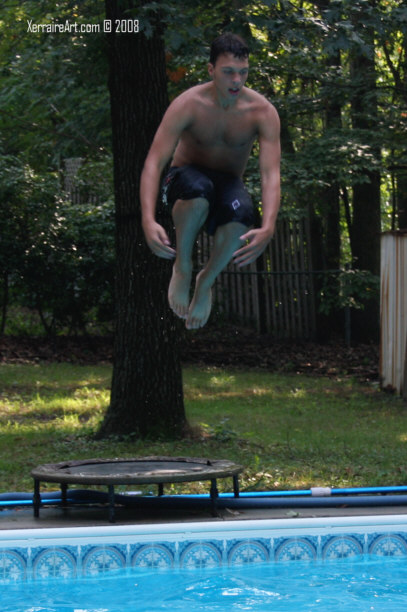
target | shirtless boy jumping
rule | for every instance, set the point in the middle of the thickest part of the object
(209, 131)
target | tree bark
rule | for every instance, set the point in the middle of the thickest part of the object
(366, 221)
(401, 196)
(146, 393)
(325, 224)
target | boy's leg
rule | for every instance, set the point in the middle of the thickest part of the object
(188, 216)
(226, 242)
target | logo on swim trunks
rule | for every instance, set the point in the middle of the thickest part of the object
(235, 204)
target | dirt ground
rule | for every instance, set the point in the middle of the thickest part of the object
(216, 346)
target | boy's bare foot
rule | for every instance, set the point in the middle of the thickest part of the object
(178, 292)
(200, 307)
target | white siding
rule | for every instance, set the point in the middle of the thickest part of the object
(393, 311)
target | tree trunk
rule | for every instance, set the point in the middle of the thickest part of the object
(4, 303)
(146, 394)
(366, 222)
(326, 223)
(401, 196)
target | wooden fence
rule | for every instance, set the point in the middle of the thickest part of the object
(274, 294)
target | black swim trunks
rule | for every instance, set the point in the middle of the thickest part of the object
(228, 198)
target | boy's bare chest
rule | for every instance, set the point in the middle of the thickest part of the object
(228, 129)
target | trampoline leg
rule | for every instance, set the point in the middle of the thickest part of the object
(36, 498)
(160, 489)
(112, 517)
(64, 498)
(214, 497)
(236, 486)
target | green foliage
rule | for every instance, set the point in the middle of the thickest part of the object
(53, 96)
(57, 257)
(23, 322)
(349, 289)
(69, 273)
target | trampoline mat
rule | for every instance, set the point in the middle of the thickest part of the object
(138, 470)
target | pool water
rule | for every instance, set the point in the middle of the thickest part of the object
(361, 583)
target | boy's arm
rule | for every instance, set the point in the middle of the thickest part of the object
(269, 161)
(162, 148)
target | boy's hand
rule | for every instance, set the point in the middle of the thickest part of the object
(158, 241)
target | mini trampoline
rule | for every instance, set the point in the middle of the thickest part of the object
(142, 470)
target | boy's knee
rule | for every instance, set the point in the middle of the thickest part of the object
(196, 206)
(202, 189)
(189, 184)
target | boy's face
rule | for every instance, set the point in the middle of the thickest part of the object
(229, 75)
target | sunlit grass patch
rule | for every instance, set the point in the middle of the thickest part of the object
(52, 376)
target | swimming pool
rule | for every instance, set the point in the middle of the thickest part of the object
(80, 557)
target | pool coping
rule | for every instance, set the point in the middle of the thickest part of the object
(286, 524)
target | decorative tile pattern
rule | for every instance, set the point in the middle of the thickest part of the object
(342, 547)
(103, 559)
(389, 546)
(33, 559)
(12, 566)
(54, 563)
(153, 555)
(296, 549)
(248, 552)
(201, 554)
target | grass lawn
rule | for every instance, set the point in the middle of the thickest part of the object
(288, 431)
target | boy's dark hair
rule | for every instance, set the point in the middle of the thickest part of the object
(228, 43)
